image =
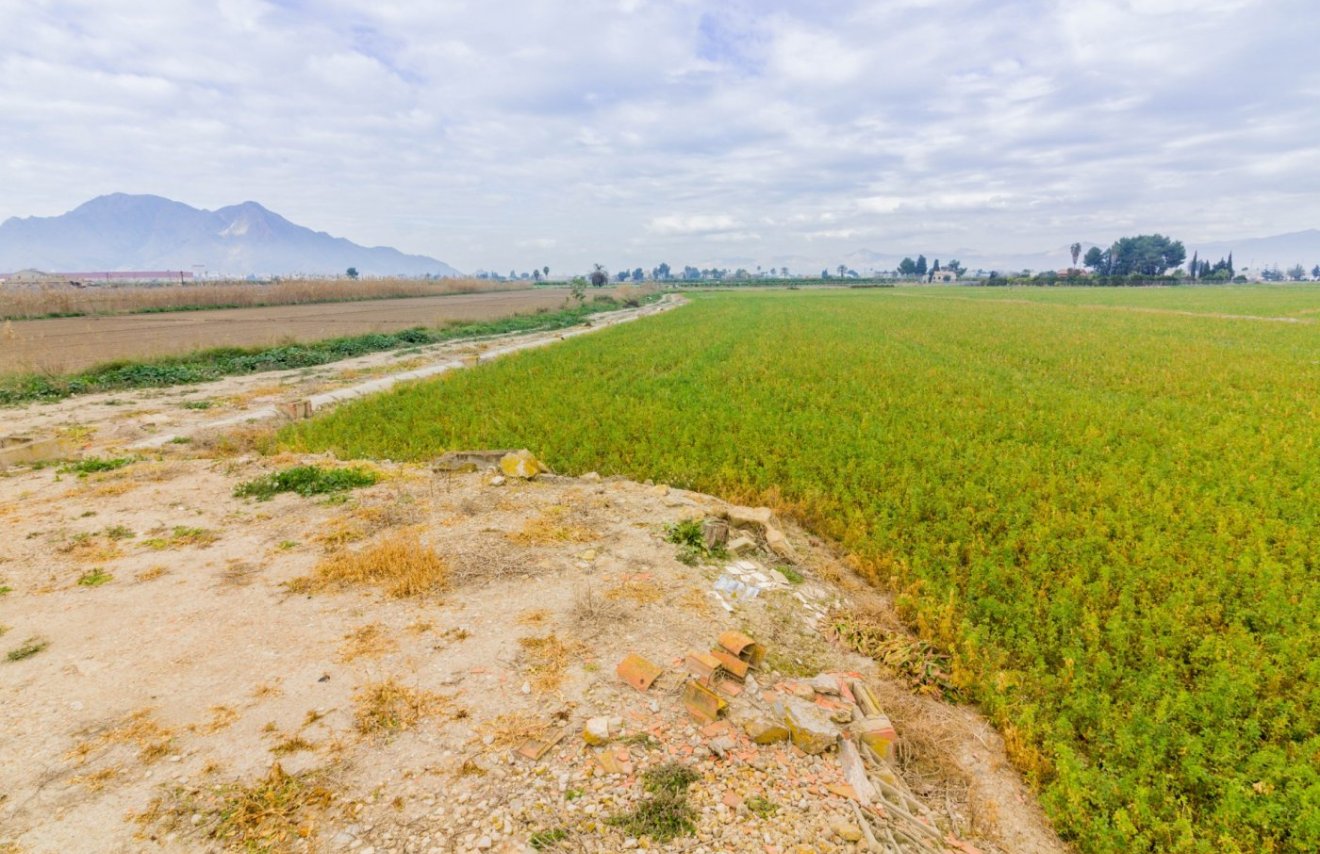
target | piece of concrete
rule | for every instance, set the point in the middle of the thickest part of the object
(521, 464)
(741, 545)
(808, 724)
(468, 461)
(854, 772)
(19, 450)
(749, 515)
(878, 733)
(765, 731)
(779, 544)
(825, 684)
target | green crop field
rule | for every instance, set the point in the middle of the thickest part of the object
(1110, 517)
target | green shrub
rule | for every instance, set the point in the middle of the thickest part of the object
(306, 481)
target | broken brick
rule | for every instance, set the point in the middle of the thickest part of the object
(736, 666)
(638, 672)
(701, 702)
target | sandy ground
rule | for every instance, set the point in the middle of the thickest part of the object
(179, 662)
(61, 345)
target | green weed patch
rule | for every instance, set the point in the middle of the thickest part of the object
(306, 481)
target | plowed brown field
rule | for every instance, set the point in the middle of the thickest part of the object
(62, 345)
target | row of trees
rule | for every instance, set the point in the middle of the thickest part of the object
(910, 269)
(1142, 255)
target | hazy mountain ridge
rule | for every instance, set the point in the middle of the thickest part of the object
(141, 232)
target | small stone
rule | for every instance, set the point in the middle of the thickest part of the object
(591, 477)
(597, 731)
(484, 843)
(497, 480)
(825, 684)
(741, 545)
(842, 716)
(846, 830)
(722, 745)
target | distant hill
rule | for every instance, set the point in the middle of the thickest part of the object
(1257, 253)
(139, 232)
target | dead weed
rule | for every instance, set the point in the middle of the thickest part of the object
(401, 564)
(369, 641)
(139, 729)
(386, 708)
(546, 658)
(279, 812)
(552, 527)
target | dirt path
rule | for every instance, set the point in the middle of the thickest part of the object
(61, 345)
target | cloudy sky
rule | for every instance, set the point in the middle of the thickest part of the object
(505, 134)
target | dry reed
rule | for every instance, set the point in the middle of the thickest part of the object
(65, 299)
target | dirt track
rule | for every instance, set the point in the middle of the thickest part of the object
(68, 344)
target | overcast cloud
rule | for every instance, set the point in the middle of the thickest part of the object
(511, 134)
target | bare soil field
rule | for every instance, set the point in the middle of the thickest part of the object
(62, 345)
(189, 670)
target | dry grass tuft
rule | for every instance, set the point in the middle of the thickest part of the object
(97, 780)
(90, 548)
(640, 589)
(369, 641)
(534, 617)
(221, 717)
(151, 573)
(386, 708)
(276, 813)
(139, 729)
(551, 527)
(234, 441)
(291, 744)
(401, 564)
(546, 659)
(590, 608)
(512, 729)
(265, 690)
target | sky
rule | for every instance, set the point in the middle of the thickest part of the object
(509, 134)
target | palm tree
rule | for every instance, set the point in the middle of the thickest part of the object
(1076, 250)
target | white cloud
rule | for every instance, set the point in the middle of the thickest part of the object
(672, 224)
(630, 132)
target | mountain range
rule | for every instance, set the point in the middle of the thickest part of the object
(142, 232)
